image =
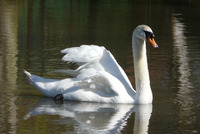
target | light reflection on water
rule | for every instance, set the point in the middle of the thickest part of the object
(181, 58)
(32, 33)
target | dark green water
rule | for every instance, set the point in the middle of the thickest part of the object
(32, 33)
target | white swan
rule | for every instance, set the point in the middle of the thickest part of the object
(99, 78)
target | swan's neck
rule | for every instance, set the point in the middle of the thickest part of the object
(143, 89)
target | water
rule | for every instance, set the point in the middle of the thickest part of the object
(32, 33)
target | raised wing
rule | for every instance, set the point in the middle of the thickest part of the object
(82, 54)
(111, 66)
(92, 59)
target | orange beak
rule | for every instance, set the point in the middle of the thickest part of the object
(152, 41)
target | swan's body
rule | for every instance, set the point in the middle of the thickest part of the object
(99, 77)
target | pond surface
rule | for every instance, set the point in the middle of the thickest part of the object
(32, 33)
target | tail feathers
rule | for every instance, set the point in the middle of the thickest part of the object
(27, 74)
(48, 87)
(30, 77)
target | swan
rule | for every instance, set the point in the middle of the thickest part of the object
(99, 78)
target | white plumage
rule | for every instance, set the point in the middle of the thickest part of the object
(99, 78)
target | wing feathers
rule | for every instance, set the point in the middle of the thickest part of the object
(99, 82)
(84, 53)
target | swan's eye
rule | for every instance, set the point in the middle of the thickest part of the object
(149, 34)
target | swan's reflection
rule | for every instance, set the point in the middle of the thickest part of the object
(142, 117)
(96, 117)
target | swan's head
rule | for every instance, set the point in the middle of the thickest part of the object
(144, 32)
